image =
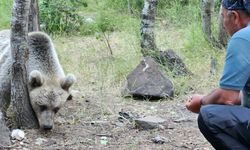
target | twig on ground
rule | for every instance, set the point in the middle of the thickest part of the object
(2, 147)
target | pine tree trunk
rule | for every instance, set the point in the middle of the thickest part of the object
(147, 27)
(33, 24)
(23, 114)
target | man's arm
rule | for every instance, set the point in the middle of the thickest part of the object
(218, 96)
(222, 96)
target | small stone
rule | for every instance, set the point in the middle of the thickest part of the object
(153, 108)
(170, 126)
(40, 141)
(104, 140)
(50, 142)
(159, 140)
(17, 134)
(119, 124)
(161, 127)
(150, 122)
(183, 120)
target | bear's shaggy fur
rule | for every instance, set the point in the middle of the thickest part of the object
(47, 84)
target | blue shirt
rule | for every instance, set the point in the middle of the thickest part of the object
(236, 74)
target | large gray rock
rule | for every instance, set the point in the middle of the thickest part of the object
(174, 63)
(148, 80)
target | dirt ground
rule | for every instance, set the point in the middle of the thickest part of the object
(90, 122)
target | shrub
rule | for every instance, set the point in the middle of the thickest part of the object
(61, 15)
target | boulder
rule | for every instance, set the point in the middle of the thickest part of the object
(149, 81)
(175, 64)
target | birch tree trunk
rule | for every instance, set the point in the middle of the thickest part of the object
(147, 27)
(33, 24)
(207, 9)
(23, 114)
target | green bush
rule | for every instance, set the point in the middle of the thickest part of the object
(103, 22)
(137, 5)
(122, 5)
(59, 16)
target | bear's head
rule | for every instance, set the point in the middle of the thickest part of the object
(47, 96)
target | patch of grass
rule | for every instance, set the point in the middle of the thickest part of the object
(92, 61)
(5, 14)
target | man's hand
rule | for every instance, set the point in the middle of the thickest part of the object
(194, 104)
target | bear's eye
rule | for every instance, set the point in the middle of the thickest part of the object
(56, 109)
(43, 107)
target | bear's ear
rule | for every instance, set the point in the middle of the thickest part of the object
(68, 81)
(35, 78)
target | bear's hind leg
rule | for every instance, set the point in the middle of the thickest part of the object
(4, 96)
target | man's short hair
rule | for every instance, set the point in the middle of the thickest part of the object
(243, 5)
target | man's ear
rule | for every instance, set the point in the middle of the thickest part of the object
(235, 16)
(68, 81)
(35, 79)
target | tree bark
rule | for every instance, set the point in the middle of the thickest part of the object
(147, 27)
(23, 114)
(129, 7)
(207, 10)
(33, 24)
(222, 36)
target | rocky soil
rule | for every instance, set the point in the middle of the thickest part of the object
(92, 122)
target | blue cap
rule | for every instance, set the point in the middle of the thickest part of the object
(236, 5)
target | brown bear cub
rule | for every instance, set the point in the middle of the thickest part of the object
(48, 86)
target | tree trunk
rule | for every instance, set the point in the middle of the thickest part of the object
(147, 27)
(33, 24)
(222, 37)
(207, 10)
(129, 7)
(23, 114)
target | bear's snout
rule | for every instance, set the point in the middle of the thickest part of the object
(46, 120)
(47, 127)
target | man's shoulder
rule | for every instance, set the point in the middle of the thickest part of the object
(243, 34)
